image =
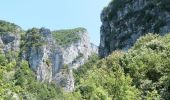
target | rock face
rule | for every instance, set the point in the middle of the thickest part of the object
(10, 42)
(53, 62)
(76, 55)
(52, 56)
(44, 58)
(124, 21)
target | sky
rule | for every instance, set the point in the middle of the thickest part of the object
(55, 14)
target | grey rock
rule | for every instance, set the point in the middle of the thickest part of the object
(10, 42)
(121, 28)
(51, 62)
(49, 59)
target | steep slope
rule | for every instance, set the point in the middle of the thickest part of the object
(142, 73)
(124, 21)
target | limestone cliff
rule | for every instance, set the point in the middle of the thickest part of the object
(51, 59)
(75, 55)
(51, 54)
(44, 57)
(124, 21)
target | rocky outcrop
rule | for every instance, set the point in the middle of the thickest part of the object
(53, 62)
(76, 55)
(124, 21)
(44, 57)
(10, 42)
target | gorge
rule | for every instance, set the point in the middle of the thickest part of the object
(132, 61)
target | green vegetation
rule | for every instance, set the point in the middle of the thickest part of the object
(148, 64)
(66, 37)
(104, 80)
(8, 27)
(83, 69)
(32, 38)
(19, 81)
(48, 62)
(141, 73)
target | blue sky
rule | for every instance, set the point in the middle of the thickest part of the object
(55, 14)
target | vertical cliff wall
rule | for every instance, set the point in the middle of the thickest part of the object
(124, 21)
(53, 55)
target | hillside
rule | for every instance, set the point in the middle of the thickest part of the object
(142, 73)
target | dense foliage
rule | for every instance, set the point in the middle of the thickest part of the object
(32, 38)
(8, 27)
(105, 80)
(148, 64)
(66, 37)
(141, 73)
(18, 81)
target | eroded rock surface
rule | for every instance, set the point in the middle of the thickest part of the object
(124, 21)
(53, 62)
